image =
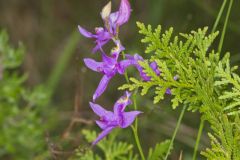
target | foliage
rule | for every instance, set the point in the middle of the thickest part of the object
(177, 59)
(22, 129)
(224, 140)
(159, 152)
(110, 148)
(205, 83)
(116, 150)
(228, 79)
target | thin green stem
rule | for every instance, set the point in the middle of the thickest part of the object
(234, 27)
(201, 126)
(138, 142)
(175, 131)
(135, 108)
(125, 74)
(225, 27)
(135, 127)
(219, 16)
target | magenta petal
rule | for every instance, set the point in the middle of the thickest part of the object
(128, 94)
(93, 65)
(128, 118)
(113, 17)
(101, 87)
(135, 61)
(101, 124)
(103, 35)
(124, 64)
(99, 46)
(122, 102)
(143, 75)
(154, 66)
(130, 60)
(136, 57)
(112, 23)
(85, 33)
(124, 12)
(100, 111)
(103, 134)
(108, 60)
(176, 77)
(168, 91)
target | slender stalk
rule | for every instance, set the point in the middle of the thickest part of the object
(219, 16)
(234, 27)
(125, 74)
(135, 107)
(198, 139)
(138, 142)
(225, 27)
(175, 131)
(135, 127)
(63, 61)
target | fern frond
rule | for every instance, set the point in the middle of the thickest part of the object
(112, 149)
(225, 141)
(159, 151)
(186, 59)
(227, 78)
(205, 83)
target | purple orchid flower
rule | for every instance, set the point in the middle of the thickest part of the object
(112, 22)
(118, 118)
(109, 67)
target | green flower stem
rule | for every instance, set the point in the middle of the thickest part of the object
(135, 107)
(63, 61)
(198, 139)
(135, 127)
(176, 130)
(219, 16)
(225, 26)
(125, 74)
(138, 142)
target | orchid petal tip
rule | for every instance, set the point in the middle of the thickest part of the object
(106, 11)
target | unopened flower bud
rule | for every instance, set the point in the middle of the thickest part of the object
(106, 11)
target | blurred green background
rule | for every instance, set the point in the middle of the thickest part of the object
(54, 53)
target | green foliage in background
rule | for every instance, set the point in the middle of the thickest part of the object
(205, 83)
(22, 129)
(110, 148)
(159, 151)
(113, 149)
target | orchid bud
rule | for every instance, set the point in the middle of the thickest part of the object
(106, 11)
